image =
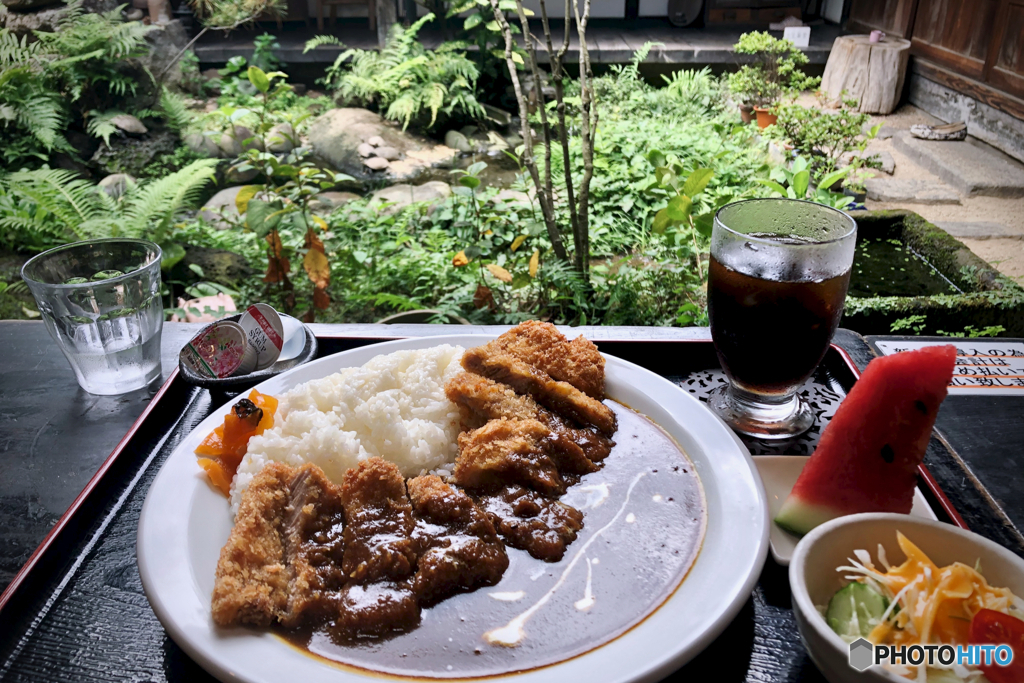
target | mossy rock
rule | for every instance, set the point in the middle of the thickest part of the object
(131, 155)
(218, 265)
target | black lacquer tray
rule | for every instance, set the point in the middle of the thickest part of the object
(77, 612)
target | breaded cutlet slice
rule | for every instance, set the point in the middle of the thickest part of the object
(251, 587)
(481, 399)
(507, 451)
(378, 523)
(459, 549)
(491, 361)
(540, 344)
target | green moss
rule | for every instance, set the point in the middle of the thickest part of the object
(989, 298)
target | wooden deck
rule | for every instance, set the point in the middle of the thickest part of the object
(611, 41)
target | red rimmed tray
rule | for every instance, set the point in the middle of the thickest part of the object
(82, 581)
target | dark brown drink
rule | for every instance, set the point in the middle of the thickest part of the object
(770, 334)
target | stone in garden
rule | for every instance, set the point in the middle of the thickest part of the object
(281, 138)
(211, 74)
(511, 197)
(131, 155)
(233, 175)
(229, 146)
(376, 163)
(26, 5)
(115, 184)
(24, 23)
(389, 153)
(129, 124)
(134, 15)
(403, 195)
(247, 139)
(219, 206)
(202, 144)
(910, 191)
(977, 230)
(376, 141)
(218, 265)
(498, 116)
(325, 202)
(458, 141)
(336, 135)
(299, 88)
(165, 43)
(365, 150)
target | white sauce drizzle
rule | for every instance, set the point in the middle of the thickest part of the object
(630, 518)
(595, 561)
(596, 495)
(510, 596)
(537, 573)
(587, 601)
(513, 632)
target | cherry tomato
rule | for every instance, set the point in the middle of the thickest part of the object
(989, 627)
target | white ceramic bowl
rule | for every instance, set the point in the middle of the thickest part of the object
(813, 578)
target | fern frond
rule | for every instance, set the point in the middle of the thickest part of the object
(174, 110)
(69, 198)
(319, 41)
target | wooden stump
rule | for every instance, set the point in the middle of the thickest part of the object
(872, 73)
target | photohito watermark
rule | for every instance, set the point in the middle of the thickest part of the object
(863, 654)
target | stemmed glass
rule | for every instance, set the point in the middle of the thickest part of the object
(777, 283)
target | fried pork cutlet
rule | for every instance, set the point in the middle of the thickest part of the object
(507, 451)
(564, 399)
(282, 560)
(459, 548)
(531, 522)
(375, 609)
(379, 523)
(314, 543)
(480, 399)
(541, 345)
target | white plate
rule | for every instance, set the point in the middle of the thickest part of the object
(779, 473)
(184, 524)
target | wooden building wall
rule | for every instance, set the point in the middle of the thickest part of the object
(972, 46)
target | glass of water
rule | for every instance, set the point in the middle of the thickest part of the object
(100, 300)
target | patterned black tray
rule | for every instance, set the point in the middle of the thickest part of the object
(80, 613)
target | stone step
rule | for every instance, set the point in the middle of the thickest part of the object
(971, 166)
(909, 191)
(980, 230)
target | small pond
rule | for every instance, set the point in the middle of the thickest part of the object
(888, 267)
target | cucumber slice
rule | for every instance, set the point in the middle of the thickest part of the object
(855, 609)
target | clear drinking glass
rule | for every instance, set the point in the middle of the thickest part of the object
(777, 283)
(100, 300)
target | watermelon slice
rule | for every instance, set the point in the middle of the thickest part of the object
(868, 456)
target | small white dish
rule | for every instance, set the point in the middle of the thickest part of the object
(813, 578)
(779, 473)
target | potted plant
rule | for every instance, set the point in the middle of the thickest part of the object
(773, 74)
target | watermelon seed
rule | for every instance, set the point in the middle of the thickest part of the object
(888, 454)
(921, 406)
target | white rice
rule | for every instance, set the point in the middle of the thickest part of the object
(393, 407)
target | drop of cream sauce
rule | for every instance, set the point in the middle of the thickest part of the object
(509, 596)
(587, 601)
(630, 518)
(657, 498)
(512, 633)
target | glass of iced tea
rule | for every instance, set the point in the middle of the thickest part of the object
(776, 288)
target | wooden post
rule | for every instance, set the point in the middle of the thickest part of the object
(872, 73)
(387, 15)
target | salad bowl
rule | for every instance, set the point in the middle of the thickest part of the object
(813, 578)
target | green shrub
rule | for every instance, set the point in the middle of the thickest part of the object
(404, 80)
(774, 73)
(821, 135)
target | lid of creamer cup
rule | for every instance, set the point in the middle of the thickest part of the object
(219, 350)
(264, 332)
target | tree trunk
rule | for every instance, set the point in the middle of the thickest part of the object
(872, 73)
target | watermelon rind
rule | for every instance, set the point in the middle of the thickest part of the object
(799, 516)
